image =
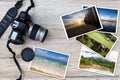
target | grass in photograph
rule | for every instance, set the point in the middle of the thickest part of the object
(99, 42)
(97, 63)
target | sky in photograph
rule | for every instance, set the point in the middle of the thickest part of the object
(86, 52)
(113, 56)
(75, 16)
(106, 13)
(51, 54)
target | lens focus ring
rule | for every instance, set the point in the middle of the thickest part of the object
(34, 32)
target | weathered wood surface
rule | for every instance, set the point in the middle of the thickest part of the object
(47, 13)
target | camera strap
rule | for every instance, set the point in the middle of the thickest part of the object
(31, 6)
(9, 17)
(15, 60)
(18, 5)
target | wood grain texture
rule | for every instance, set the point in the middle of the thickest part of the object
(47, 13)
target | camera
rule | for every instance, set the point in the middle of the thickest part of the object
(23, 26)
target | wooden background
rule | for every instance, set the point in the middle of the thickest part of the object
(47, 13)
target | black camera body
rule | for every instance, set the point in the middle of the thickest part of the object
(24, 26)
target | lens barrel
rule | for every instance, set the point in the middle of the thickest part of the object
(37, 32)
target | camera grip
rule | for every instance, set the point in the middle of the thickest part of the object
(8, 18)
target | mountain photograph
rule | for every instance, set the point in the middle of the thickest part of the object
(94, 62)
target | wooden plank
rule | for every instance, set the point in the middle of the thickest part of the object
(47, 13)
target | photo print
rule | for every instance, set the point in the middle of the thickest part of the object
(81, 22)
(99, 42)
(93, 62)
(50, 63)
(109, 19)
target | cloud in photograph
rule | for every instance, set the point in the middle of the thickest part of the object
(50, 54)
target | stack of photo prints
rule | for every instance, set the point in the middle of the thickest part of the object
(95, 28)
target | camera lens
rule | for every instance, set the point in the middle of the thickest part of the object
(37, 33)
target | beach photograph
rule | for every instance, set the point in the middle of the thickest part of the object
(50, 63)
(109, 19)
(101, 43)
(93, 62)
(81, 22)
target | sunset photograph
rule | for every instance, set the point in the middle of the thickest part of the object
(81, 22)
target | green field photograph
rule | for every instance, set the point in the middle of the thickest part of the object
(99, 42)
(93, 62)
